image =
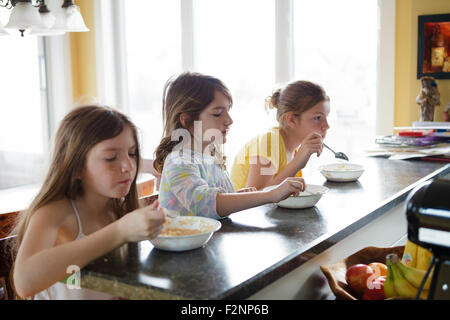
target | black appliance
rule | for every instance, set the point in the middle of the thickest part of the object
(428, 215)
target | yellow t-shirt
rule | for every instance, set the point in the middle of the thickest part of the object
(269, 145)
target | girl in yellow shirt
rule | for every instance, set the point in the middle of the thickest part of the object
(269, 158)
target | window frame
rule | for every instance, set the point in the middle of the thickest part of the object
(110, 48)
(59, 83)
(58, 80)
(385, 92)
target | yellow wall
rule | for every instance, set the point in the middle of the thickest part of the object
(82, 44)
(407, 87)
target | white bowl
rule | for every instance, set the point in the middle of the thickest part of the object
(306, 199)
(342, 172)
(185, 233)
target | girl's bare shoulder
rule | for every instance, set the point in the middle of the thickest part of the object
(55, 213)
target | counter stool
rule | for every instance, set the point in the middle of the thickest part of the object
(7, 221)
(147, 167)
(6, 287)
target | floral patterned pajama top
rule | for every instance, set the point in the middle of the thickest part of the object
(190, 184)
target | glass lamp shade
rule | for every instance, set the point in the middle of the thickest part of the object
(48, 20)
(70, 20)
(24, 16)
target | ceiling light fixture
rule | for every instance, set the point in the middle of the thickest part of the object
(34, 15)
(69, 19)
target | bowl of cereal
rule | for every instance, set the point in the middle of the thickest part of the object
(185, 233)
(342, 172)
(305, 199)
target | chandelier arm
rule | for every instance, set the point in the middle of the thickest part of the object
(9, 4)
(6, 4)
(67, 3)
(37, 3)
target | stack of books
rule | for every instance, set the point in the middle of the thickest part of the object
(421, 134)
(427, 140)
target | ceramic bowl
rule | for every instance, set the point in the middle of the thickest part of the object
(185, 233)
(306, 199)
(342, 172)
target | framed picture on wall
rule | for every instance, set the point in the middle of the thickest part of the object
(433, 56)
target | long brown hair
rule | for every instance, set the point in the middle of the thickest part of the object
(188, 93)
(79, 131)
(297, 97)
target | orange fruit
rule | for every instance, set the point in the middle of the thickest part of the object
(380, 269)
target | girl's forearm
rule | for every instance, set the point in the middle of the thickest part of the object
(43, 269)
(289, 171)
(228, 203)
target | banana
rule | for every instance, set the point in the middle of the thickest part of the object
(389, 287)
(423, 258)
(410, 254)
(414, 275)
(402, 286)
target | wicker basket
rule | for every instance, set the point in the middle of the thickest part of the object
(335, 273)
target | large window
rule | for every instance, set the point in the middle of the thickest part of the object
(242, 55)
(23, 138)
(218, 45)
(220, 48)
(333, 43)
(339, 51)
(152, 57)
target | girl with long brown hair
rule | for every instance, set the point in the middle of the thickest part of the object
(269, 158)
(194, 180)
(87, 205)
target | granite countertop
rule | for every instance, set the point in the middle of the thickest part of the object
(257, 246)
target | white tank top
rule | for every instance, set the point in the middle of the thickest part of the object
(61, 291)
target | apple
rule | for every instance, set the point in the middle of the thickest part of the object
(357, 277)
(375, 290)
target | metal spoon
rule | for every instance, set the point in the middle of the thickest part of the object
(339, 155)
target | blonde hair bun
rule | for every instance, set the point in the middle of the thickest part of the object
(273, 101)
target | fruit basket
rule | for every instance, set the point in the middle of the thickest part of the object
(335, 273)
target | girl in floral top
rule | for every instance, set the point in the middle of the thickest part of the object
(194, 180)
